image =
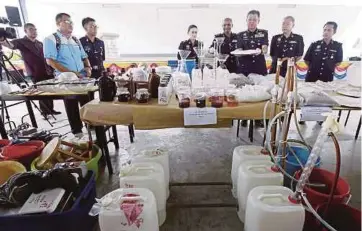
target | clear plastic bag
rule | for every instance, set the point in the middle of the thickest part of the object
(196, 77)
(222, 77)
(181, 80)
(239, 80)
(254, 93)
(316, 98)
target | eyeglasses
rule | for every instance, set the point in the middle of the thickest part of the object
(68, 22)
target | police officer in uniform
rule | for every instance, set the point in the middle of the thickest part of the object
(324, 55)
(253, 38)
(229, 44)
(286, 44)
(93, 46)
(190, 43)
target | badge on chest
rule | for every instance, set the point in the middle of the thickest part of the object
(87, 48)
(260, 35)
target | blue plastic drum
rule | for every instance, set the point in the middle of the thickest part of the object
(291, 163)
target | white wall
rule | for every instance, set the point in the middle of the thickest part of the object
(156, 28)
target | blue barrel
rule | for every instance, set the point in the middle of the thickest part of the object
(291, 163)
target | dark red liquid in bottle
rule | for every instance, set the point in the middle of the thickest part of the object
(184, 103)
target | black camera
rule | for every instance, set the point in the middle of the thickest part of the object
(6, 32)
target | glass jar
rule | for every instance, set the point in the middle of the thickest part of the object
(184, 98)
(200, 99)
(217, 97)
(142, 95)
(123, 95)
(231, 97)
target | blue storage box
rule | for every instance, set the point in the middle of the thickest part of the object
(75, 219)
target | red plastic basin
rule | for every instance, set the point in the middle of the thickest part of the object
(24, 153)
(320, 195)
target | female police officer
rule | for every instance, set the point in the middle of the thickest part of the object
(190, 43)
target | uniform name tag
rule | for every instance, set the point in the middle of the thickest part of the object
(259, 35)
(332, 50)
(292, 41)
(234, 41)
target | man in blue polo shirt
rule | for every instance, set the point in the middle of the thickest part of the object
(65, 53)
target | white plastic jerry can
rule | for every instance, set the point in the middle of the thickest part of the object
(253, 173)
(148, 175)
(269, 209)
(128, 209)
(241, 154)
(159, 156)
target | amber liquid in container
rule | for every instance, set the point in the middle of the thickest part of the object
(200, 103)
(200, 100)
(232, 101)
(124, 97)
(217, 101)
(184, 103)
(142, 95)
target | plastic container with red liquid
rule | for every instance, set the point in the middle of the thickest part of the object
(231, 97)
(217, 97)
(184, 98)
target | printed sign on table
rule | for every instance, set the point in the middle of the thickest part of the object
(314, 113)
(199, 116)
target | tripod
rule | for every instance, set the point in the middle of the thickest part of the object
(3, 59)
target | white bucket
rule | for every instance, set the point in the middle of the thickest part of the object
(128, 209)
(159, 156)
(269, 209)
(241, 154)
(148, 175)
(254, 173)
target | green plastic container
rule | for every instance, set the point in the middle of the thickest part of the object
(92, 165)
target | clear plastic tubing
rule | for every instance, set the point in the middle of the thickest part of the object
(285, 126)
(315, 153)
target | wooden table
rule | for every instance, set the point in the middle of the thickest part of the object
(27, 98)
(154, 116)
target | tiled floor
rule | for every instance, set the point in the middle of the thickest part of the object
(204, 155)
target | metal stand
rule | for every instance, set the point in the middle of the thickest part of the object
(358, 128)
(3, 59)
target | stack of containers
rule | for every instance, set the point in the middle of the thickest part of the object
(254, 173)
(128, 209)
(157, 155)
(149, 175)
(269, 209)
(241, 154)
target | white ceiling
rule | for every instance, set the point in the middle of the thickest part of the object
(301, 2)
